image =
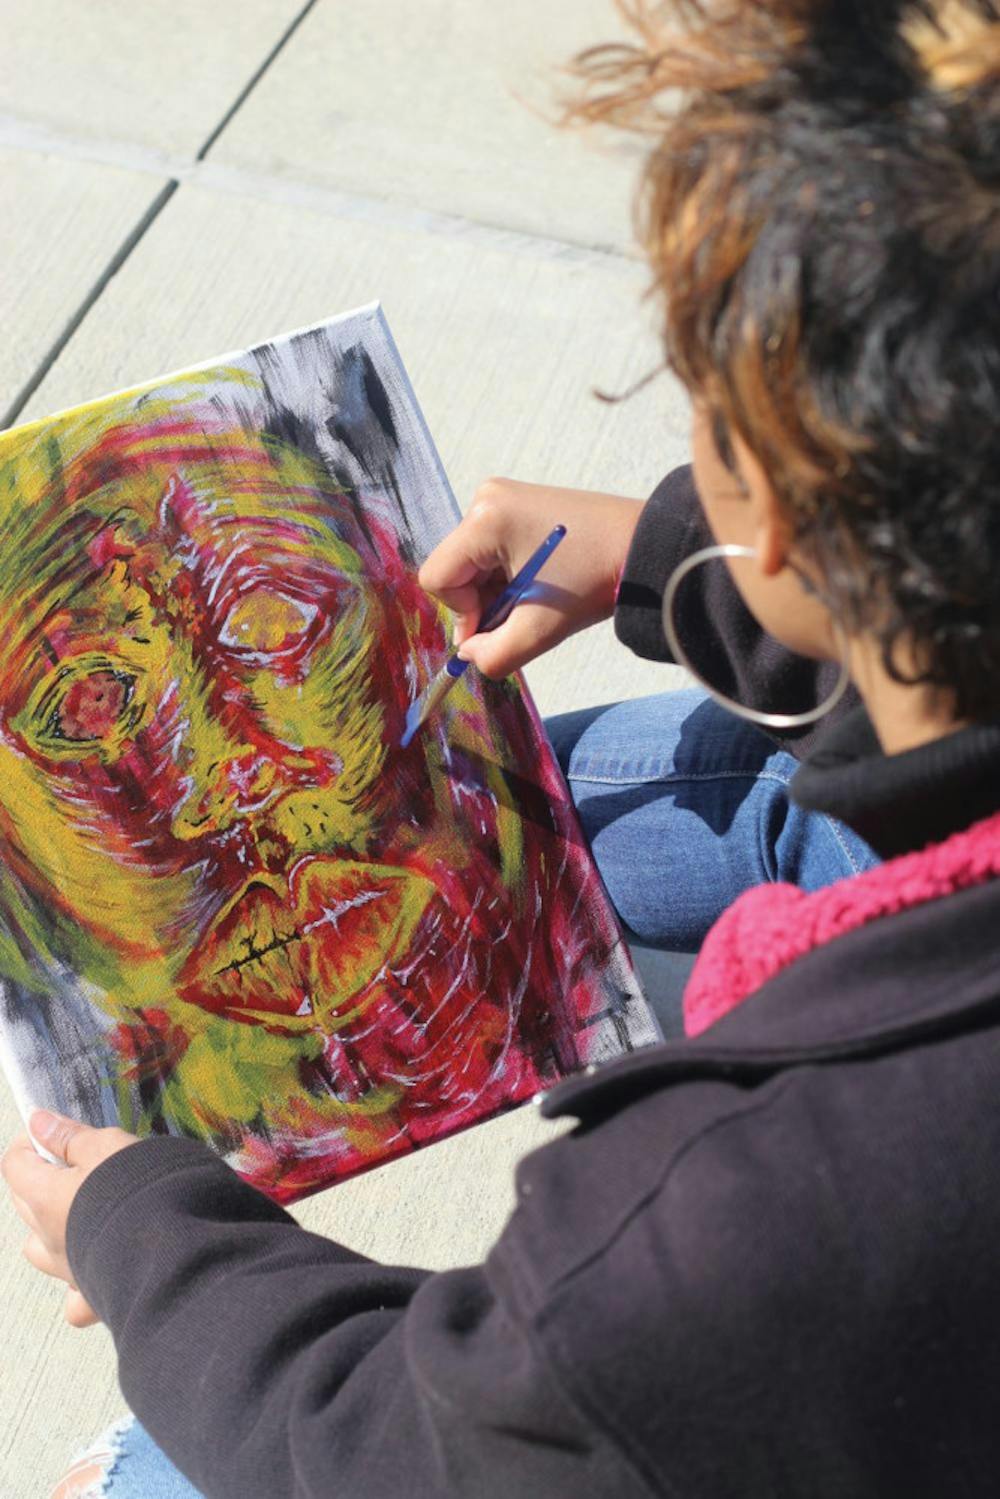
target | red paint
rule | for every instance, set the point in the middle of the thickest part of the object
(91, 706)
(464, 1041)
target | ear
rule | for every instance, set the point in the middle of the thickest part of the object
(771, 543)
(772, 540)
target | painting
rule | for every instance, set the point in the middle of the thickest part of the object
(231, 905)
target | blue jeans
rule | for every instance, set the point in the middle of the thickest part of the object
(125, 1463)
(674, 786)
(684, 806)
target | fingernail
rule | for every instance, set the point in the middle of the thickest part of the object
(43, 1124)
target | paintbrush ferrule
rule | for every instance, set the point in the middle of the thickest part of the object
(432, 696)
(421, 708)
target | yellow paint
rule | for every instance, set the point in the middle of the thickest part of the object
(265, 620)
(242, 751)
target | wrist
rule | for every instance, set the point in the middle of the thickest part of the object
(621, 533)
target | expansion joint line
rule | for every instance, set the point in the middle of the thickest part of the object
(139, 230)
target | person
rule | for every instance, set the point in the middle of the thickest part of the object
(763, 1262)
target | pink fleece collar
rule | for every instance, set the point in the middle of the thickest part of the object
(770, 926)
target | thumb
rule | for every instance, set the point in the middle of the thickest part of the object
(59, 1135)
(526, 634)
(490, 654)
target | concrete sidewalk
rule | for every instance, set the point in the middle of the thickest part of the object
(181, 180)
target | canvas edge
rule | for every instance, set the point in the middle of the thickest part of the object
(365, 314)
(17, 1082)
(538, 723)
(379, 317)
(528, 1099)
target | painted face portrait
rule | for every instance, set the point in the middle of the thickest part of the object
(289, 936)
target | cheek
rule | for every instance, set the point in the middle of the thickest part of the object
(782, 608)
(763, 600)
(704, 465)
(142, 790)
(725, 506)
(31, 827)
(66, 850)
(797, 620)
(729, 517)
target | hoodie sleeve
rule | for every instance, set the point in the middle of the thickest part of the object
(272, 1363)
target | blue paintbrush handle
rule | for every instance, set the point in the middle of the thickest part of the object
(519, 584)
(434, 693)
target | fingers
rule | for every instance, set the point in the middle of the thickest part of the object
(77, 1144)
(43, 1193)
(60, 1136)
(461, 599)
(25, 1173)
(505, 524)
(41, 1257)
(530, 631)
(466, 622)
(466, 625)
(78, 1311)
(76, 1308)
(42, 1196)
(466, 572)
(470, 567)
(24, 1211)
(472, 553)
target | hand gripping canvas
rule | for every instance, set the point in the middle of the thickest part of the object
(230, 906)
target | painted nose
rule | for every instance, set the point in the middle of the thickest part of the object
(243, 783)
(227, 789)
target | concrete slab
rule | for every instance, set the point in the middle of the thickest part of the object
(504, 340)
(160, 73)
(63, 223)
(443, 105)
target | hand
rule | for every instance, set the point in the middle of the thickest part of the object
(505, 524)
(43, 1194)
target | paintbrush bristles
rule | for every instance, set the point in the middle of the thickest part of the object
(423, 706)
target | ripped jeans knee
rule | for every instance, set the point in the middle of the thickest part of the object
(123, 1463)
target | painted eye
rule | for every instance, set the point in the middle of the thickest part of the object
(267, 623)
(91, 706)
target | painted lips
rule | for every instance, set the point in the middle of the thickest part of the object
(299, 962)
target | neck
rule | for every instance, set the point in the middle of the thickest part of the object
(904, 716)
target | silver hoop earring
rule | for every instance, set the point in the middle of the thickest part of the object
(755, 715)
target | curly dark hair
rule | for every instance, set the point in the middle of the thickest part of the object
(821, 207)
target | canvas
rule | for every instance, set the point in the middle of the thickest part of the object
(231, 906)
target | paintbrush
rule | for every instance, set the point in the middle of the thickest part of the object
(438, 687)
